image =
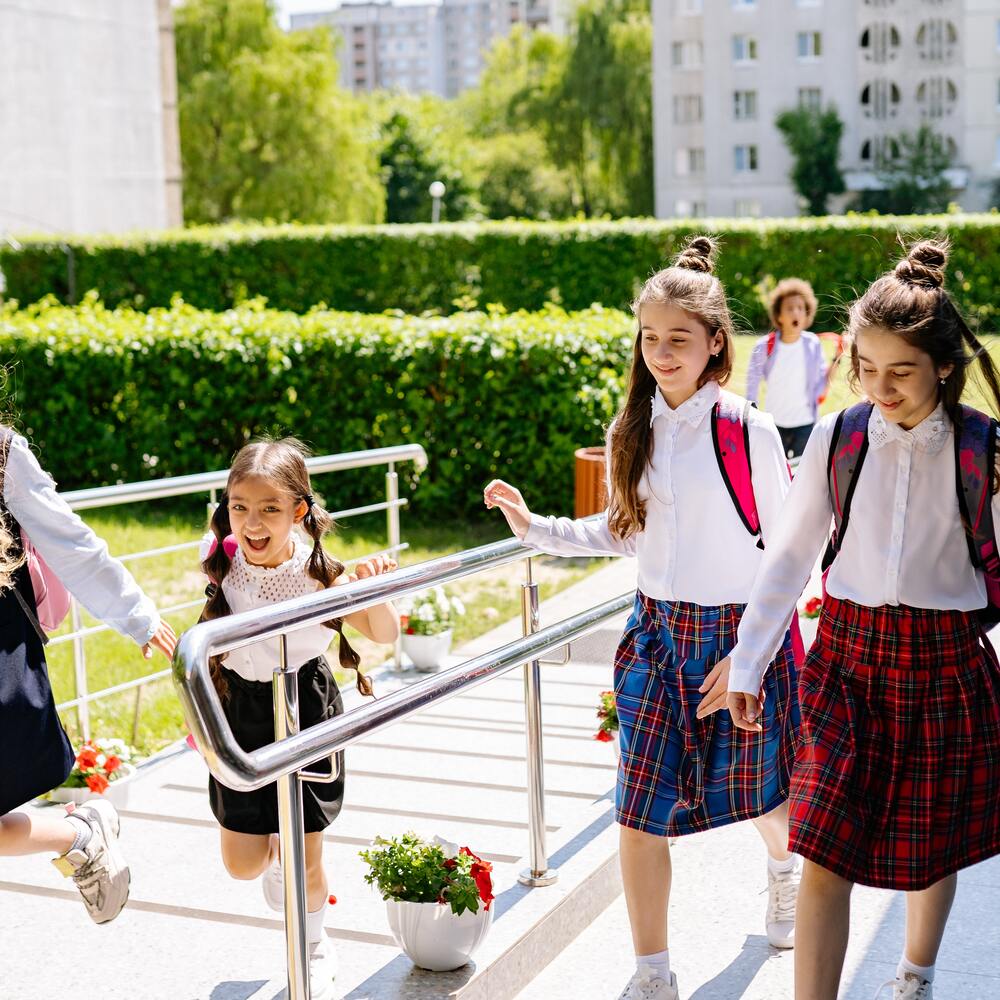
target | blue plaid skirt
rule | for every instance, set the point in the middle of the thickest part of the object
(680, 774)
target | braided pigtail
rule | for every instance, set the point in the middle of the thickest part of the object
(216, 566)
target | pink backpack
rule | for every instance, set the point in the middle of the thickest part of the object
(52, 599)
(731, 437)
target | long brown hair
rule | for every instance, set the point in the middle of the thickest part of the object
(12, 556)
(283, 464)
(688, 284)
(911, 302)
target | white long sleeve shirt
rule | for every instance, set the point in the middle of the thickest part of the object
(694, 546)
(75, 554)
(904, 542)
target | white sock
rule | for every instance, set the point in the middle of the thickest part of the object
(83, 833)
(659, 963)
(924, 971)
(314, 924)
(776, 867)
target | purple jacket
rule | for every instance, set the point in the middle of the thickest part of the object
(817, 370)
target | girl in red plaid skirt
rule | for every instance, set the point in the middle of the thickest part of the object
(897, 781)
(684, 768)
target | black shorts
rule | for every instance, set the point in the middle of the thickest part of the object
(249, 707)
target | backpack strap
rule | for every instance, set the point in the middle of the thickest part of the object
(731, 438)
(975, 457)
(769, 345)
(847, 454)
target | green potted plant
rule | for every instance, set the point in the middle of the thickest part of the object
(438, 897)
(426, 624)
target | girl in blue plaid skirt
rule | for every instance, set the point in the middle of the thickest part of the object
(684, 767)
(897, 781)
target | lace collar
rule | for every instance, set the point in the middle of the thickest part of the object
(929, 435)
(692, 411)
(294, 566)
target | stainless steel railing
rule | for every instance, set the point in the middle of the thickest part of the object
(210, 483)
(293, 750)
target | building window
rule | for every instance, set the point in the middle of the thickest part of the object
(687, 109)
(745, 158)
(689, 161)
(747, 208)
(880, 42)
(880, 99)
(809, 45)
(686, 209)
(744, 4)
(936, 97)
(880, 150)
(686, 55)
(744, 49)
(936, 40)
(745, 105)
(811, 97)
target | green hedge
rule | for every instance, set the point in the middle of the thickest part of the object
(122, 396)
(451, 267)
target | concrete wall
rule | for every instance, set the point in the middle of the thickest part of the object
(86, 142)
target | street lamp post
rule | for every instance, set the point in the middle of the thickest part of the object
(436, 191)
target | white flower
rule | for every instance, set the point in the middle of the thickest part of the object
(426, 613)
(449, 849)
(457, 606)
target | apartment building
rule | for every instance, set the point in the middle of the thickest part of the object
(723, 69)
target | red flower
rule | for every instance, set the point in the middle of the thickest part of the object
(813, 607)
(404, 621)
(112, 764)
(450, 864)
(484, 881)
(86, 758)
(603, 736)
(410, 631)
(97, 783)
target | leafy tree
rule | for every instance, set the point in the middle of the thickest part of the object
(914, 182)
(266, 132)
(409, 168)
(516, 180)
(813, 138)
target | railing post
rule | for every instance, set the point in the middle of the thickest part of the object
(80, 687)
(291, 831)
(392, 534)
(539, 872)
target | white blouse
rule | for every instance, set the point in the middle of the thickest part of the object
(694, 546)
(247, 587)
(904, 543)
(75, 554)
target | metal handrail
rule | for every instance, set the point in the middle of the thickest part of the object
(284, 760)
(203, 482)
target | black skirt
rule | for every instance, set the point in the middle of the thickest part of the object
(249, 707)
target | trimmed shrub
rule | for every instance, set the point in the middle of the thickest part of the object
(120, 395)
(519, 265)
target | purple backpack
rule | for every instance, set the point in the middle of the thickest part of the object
(975, 455)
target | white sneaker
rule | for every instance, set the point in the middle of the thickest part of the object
(908, 987)
(782, 893)
(322, 968)
(645, 984)
(99, 869)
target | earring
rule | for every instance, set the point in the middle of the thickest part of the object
(944, 381)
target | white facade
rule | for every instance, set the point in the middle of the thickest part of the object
(437, 48)
(887, 65)
(88, 126)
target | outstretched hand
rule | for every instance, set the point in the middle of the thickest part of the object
(367, 568)
(162, 639)
(511, 504)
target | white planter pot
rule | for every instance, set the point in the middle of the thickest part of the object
(433, 937)
(117, 792)
(616, 745)
(427, 652)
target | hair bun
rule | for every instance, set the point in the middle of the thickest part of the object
(924, 264)
(698, 255)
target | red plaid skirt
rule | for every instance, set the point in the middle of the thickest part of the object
(897, 777)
